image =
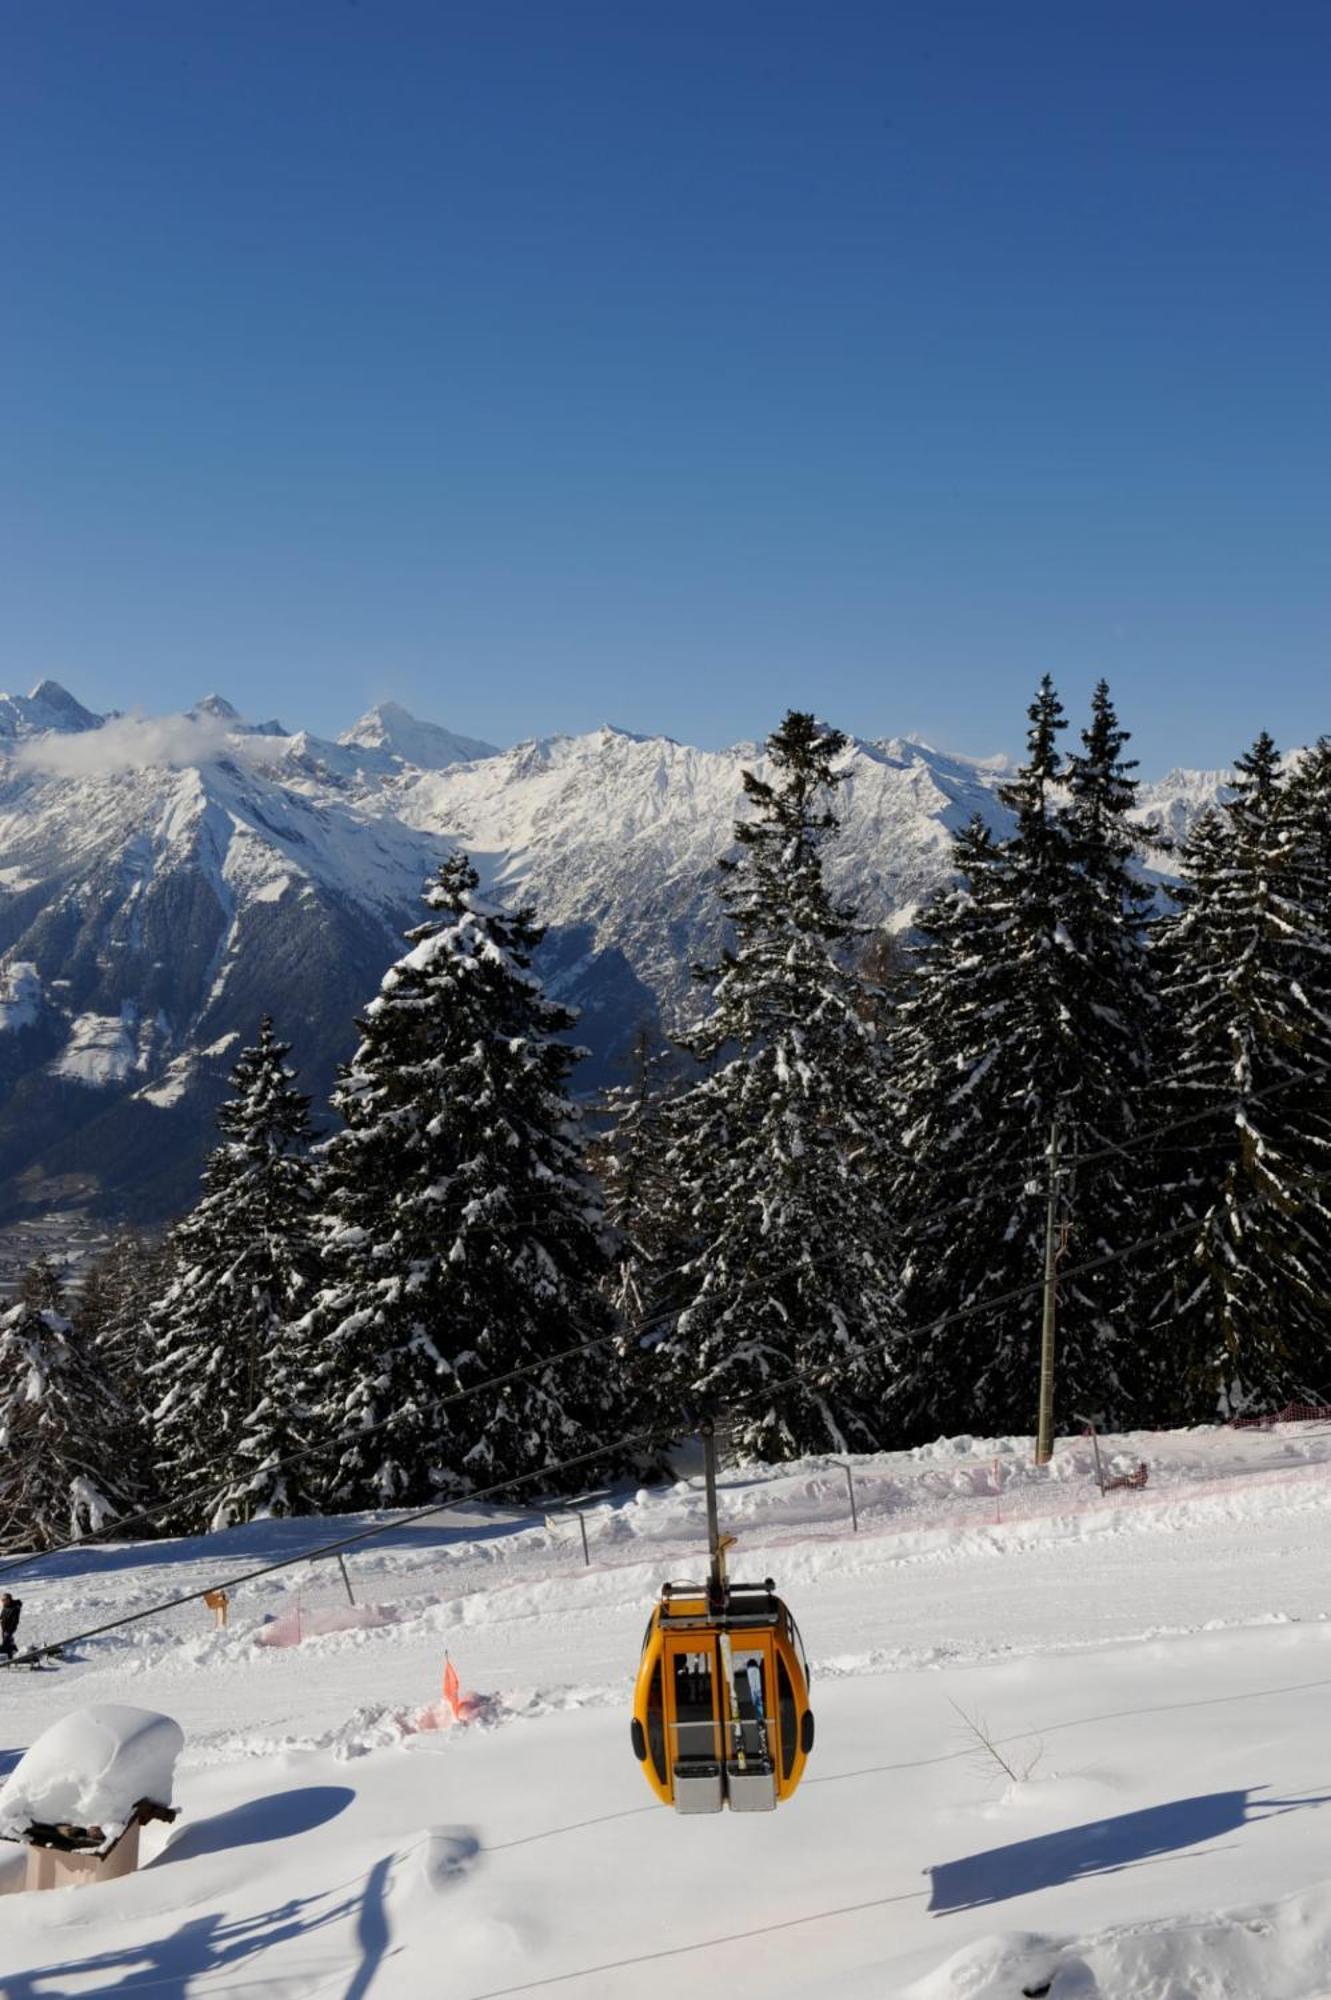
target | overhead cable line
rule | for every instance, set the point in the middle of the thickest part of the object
(1320, 1072)
(770, 1390)
(148, 1516)
(336, 1547)
(114, 1531)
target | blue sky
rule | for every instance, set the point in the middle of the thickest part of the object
(540, 363)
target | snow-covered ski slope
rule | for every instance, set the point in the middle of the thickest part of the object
(1155, 1667)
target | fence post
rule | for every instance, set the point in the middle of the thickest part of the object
(1095, 1447)
(553, 1519)
(346, 1580)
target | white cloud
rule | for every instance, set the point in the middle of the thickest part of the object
(137, 743)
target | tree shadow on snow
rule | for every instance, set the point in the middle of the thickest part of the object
(372, 1931)
(201, 1947)
(276, 1817)
(1100, 1847)
(267, 1540)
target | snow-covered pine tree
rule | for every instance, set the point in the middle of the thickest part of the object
(463, 1235)
(1031, 1002)
(945, 1044)
(60, 1473)
(112, 1311)
(781, 1319)
(229, 1365)
(119, 1288)
(1243, 1319)
(1117, 1050)
(1308, 802)
(629, 1160)
(42, 1284)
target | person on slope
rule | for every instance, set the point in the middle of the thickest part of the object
(9, 1611)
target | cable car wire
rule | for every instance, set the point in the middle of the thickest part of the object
(114, 1531)
(379, 1528)
(144, 1517)
(773, 1390)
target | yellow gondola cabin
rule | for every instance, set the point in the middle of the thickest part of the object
(721, 1709)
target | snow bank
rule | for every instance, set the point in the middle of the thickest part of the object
(91, 1769)
(1281, 1952)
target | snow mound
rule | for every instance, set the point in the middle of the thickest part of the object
(295, 1626)
(91, 1769)
(1280, 1952)
(377, 1727)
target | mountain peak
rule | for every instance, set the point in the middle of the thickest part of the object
(48, 707)
(55, 696)
(390, 727)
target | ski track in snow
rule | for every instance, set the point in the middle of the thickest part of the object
(1154, 1665)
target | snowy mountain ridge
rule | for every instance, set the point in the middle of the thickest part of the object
(47, 707)
(164, 880)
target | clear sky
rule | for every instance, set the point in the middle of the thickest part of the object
(539, 363)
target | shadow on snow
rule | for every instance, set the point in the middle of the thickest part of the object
(201, 1947)
(276, 1817)
(269, 1540)
(1100, 1847)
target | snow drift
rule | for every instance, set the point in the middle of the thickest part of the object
(91, 1769)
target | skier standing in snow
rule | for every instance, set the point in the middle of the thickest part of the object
(10, 1608)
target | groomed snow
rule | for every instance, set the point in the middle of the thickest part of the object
(1154, 1665)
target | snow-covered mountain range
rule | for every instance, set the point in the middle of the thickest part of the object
(165, 880)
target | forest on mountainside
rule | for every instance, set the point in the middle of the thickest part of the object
(818, 1220)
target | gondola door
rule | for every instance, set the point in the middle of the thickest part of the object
(693, 1721)
(752, 1747)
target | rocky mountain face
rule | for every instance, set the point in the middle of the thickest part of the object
(164, 882)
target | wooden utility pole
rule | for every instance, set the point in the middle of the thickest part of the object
(1044, 1437)
(717, 1543)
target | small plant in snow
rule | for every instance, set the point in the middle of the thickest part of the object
(1016, 1765)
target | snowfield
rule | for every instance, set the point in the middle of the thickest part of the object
(1154, 1666)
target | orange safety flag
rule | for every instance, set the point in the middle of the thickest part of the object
(452, 1688)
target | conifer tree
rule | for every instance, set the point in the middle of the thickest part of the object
(780, 1320)
(229, 1364)
(629, 1160)
(1308, 805)
(111, 1314)
(1242, 1322)
(1031, 1005)
(119, 1289)
(463, 1236)
(42, 1284)
(59, 1468)
(1119, 1025)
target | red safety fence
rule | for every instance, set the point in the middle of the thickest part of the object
(1293, 1413)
